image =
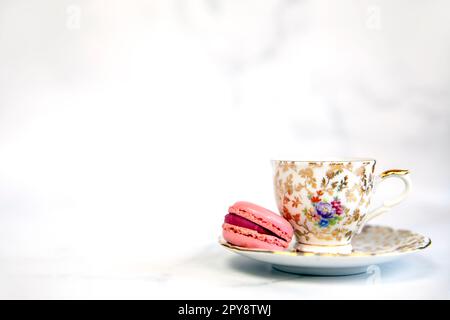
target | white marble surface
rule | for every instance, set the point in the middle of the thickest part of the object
(128, 127)
(211, 272)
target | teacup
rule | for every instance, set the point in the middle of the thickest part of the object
(327, 201)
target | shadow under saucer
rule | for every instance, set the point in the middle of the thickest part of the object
(409, 268)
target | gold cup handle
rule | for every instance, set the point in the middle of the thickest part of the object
(387, 205)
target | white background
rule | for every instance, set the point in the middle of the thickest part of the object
(127, 128)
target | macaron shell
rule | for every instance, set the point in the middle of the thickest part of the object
(247, 238)
(263, 217)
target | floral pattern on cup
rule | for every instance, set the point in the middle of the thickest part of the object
(328, 213)
(324, 201)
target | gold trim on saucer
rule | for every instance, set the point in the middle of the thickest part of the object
(419, 242)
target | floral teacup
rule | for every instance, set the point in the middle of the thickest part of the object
(327, 202)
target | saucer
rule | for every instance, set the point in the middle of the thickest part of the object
(374, 245)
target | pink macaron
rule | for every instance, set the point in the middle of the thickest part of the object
(251, 226)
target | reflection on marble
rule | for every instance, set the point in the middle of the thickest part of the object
(215, 273)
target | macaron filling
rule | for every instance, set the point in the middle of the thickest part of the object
(239, 221)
